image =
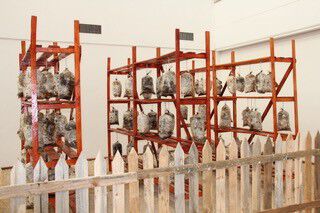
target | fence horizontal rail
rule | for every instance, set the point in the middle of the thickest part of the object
(107, 180)
(295, 207)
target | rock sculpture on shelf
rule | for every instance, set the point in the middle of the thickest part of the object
(116, 88)
(114, 116)
(240, 83)
(21, 85)
(153, 120)
(166, 125)
(202, 111)
(147, 87)
(64, 84)
(225, 117)
(219, 86)
(166, 84)
(197, 124)
(231, 84)
(60, 122)
(128, 87)
(200, 87)
(48, 129)
(128, 119)
(268, 83)
(261, 82)
(184, 112)
(70, 135)
(249, 83)
(143, 123)
(187, 86)
(246, 116)
(255, 121)
(283, 121)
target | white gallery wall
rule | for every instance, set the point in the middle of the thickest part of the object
(147, 24)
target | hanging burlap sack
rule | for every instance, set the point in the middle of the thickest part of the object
(249, 83)
(261, 82)
(49, 128)
(153, 120)
(198, 129)
(246, 116)
(27, 85)
(166, 84)
(283, 121)
(231, 84)
(24, 131)
(116, 88)
(64, 82)
(219, 86)
(200, 87)
(202, 111)
(49, 85)
(225, 117)
(21, 86)
(143, 123)
(184, 112)
(116, 147)
(147, 87)
(114, 116)
(70, 135)
(128, 87)
(187, 86)
(268, 82)
(166, 125)
(60, 122)
(128, 119)
(255, 120)
(240, 83)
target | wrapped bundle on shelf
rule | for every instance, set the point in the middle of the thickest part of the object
(48, 85)
(187, 86)
(27, 85)
(184, 112)
(255, 121)
(153, 120)
(261, 82)
(60, 122)
(166, 125)
(24, 131)
(47, 130)
(116, 88)
(202, 111)
(283, 121)
(116, 147)
(231, 84)
(45, 85)
(143, 123)
(166, 84)
(268, 83)
(128, 119)
(249, 83)
(200, 87)
(240, 83)
(70, 134)
(246, 116)
(197, 124)
(219, 86)
(21, 85)
(128, 87)
(114, 117)
(64, 84)
(147, 87)
(225, 117)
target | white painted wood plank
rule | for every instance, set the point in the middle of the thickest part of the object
(193, 181)
(133, 166)
(221, 180)
(289, 166)
(40, 174)
(164, 205)
(245, 188)
(18, 176)
(179, 187)
(208, 194)
(267, 177)
(100, 193)
(278, 175)
(297, 172)
(233, 180)
(148, 182)
(82, 195)
(118, 189)
(62, 198)
(256, 178)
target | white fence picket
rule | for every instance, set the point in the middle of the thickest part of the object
(118, 189)
(278, 175)
(193, 180)
(289, 172)
(82, 195)
(148, 182)
(100, 193)
(18, 176)
(233, 180)
(40, 174)
(245, 188)
(221, 180)
(62, 197)
(179, 188)
(256, 178)
(297, 172)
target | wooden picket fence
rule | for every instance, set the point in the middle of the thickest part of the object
(280, 176)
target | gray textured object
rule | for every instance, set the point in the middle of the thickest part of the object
(147, 87)
(283, 121)
(197, 125)
(184, 112)
(202, 111)
(219, 86)
(255, 121)
(231, 84)
(249, 83)
(260, 83)
(64, 84)
(268, 84)
(166, 125)
(114, 116)
(240, 83)
(128, 119)
(153, 120)
(21, 85)
(130, 145)
(246, 117)
(128, 87)
(49, 85)
(187, 86)
(24, 131)
(60, 122)
(200, 87)
(27, 85)
(116, 147)
(166, 84)
(45, 85)
(225, 117)
(70, 134)
(116, 88)
(49, 128)
(143, 123)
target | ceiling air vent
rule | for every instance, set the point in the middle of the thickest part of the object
(90, 28)
(186, 36)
